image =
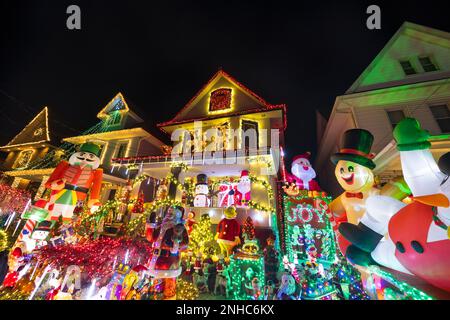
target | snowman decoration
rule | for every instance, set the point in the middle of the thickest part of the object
(201, 198)
(418, 240)
(243, 189)
(302, 173)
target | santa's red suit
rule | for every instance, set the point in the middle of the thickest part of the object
(311, 185)
(409, 230)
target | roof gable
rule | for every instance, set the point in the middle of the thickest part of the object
(410, 42)
(117, 103)
(36, 131)
(242, 100)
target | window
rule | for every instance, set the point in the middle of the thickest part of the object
(407, 67)
(24, 158)
(427, 64)
(121, 150)
(442, 116)
(250, 134)
(220, 99)
(395, 116)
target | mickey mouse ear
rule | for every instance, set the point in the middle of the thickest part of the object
(444, 163)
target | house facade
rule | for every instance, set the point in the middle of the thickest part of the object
(410, 77)
(224, 132)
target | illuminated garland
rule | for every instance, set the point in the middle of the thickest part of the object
(3, 240)
(138, 223)
(140, 178)
(254, 205)
(182, 165)
(410, 291)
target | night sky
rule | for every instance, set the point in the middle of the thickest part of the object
(159, 55)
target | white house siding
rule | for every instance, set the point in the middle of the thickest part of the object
(425, 117)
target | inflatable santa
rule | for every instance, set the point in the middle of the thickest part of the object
(243, 189)
(418, 240)
(302, 173)
(201, 198)
(73, 180)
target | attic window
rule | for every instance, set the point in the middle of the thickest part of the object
(220, 99)
(395, 116)
(442, 116)
(408, 68)
(427, 64)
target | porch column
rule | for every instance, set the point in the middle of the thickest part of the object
(41, 189)
(173, 187)
(16, 182)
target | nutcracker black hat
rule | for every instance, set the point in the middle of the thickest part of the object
(202, 179)
(355, 147)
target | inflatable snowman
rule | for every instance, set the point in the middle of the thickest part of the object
(418, 239)
(201, 198)
(354, 173)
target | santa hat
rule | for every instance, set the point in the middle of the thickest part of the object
(305, 155)
(244, 173)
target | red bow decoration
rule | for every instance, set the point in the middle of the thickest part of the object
(354, 195)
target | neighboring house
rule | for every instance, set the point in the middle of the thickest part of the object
(222, 104)
(32, 144)
(410, 77)
(120, 133)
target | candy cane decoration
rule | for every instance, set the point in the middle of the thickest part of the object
(324, 206)
(27, 229)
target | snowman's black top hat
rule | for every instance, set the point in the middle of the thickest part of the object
(202, 179)
(356, 145)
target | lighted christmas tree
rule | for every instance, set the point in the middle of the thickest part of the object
(201, 238)
(248, 229)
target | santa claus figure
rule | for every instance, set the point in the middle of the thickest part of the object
(72, 181)
(243, 189)
(201, 198)
(418, 240)
(190, 222)
(303, 173)
(228, 231)
(169, 238)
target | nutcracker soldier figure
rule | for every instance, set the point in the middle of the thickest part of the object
(72, 180)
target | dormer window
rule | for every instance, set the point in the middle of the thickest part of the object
(24, 158)
(427, 64)
(220, 99)
(407, 67)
